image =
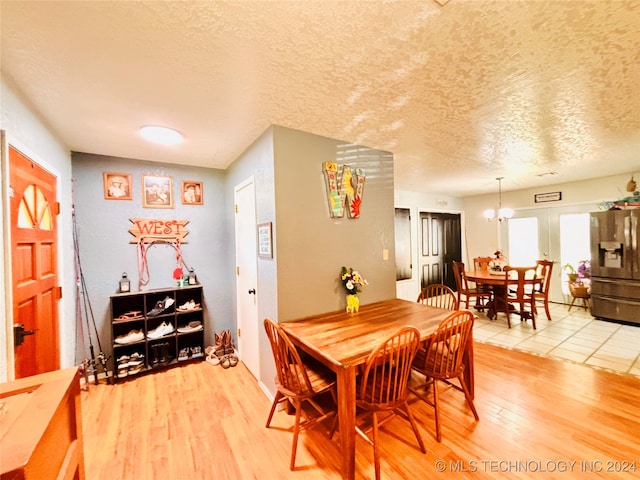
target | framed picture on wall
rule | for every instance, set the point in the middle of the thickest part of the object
(157, 191)
(191, 192)
(117, 186)
(264, 240)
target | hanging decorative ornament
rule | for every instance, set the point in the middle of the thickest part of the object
(631, 185)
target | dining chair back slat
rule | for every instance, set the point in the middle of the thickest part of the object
(438, 295)
(543, 271)
(482, 263)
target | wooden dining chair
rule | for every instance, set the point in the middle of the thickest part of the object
(442, 359)
(438, 295)
(464, 289)
(482, 263)
(298, 382)
(382, 387)
(541, 294)
(520, 285)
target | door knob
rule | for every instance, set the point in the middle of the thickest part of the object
(19, 333)
(252, 291)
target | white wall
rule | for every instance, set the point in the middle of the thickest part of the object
(482, 236)
(30, 134)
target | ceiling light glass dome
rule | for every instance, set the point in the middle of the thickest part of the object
(162, 135)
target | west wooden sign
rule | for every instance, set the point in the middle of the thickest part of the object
(147, 230)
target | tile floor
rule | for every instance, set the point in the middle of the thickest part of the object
(571, 335)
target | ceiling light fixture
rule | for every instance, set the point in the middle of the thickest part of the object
(503, 213)
(162, 135)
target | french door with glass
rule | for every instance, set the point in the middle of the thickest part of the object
(559, 234)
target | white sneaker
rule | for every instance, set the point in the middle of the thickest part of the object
(132, 336)
(160, 331)
(136, 359)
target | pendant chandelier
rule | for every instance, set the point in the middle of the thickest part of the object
(504, 213)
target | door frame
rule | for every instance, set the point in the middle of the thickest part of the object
(7, 365)
(252, 359)
(446, 275)
(409, 289)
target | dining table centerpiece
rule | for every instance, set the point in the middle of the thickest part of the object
(353, 283)
(498, 262)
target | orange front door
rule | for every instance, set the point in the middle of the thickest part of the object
(34, 208)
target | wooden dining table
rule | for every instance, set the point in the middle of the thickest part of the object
(342, 341)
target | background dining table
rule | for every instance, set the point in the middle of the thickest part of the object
(495, 280)
(487, 277)
(492, 279)
(343, 341)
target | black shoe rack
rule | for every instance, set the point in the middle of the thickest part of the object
(162, 328)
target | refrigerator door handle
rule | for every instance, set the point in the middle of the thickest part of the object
(619, 300)
(633, 234)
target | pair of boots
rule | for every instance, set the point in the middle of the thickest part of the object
(223, 345)
(160, 354)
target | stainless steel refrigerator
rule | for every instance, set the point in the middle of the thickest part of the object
(615, 265)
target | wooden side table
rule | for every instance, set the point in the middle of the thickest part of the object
(41, 427)
(580, 291)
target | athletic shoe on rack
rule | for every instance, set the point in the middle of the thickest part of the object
(132, 336)
(160, 331)
(160, 307)
(136, 359)
(183, 354)
(188, 306)
(193, 326)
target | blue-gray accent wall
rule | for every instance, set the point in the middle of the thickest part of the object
(103, 236)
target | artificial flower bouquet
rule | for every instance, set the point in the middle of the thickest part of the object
(499, 261)
(352, 280)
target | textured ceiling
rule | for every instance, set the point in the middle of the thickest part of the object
(460, 93)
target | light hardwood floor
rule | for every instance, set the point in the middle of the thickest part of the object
(201, 421)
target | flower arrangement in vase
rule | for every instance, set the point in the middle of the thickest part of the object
(498, 262)
(581, 274)
(353, 283)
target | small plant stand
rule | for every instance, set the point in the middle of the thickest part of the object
(580, 291)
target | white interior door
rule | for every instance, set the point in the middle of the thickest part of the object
(246, 275)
